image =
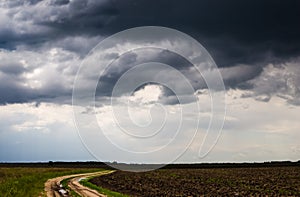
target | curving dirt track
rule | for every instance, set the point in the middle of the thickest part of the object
(52, 186)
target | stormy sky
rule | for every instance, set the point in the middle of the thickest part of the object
(254, 44)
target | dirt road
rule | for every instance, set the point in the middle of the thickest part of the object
(54, 189)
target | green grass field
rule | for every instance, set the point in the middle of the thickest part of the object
(29, 182)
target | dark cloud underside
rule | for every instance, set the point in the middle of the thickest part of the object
(233, 31)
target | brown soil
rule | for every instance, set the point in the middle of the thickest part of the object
(271, 181)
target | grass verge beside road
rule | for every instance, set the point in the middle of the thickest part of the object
(107, 192)
(28, 182)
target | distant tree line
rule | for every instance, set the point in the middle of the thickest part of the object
(107, 165)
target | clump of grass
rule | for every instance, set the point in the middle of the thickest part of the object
(65, 186)
(28, 182)
(174, 175)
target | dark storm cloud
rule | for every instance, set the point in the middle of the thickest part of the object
(137, 57)
(233, 77)
(235, 32)
(237, 76)
(83, 16)
(12, 68)
(34, 77)
(36, 22)
(242, 36)
(61, 2)
(13, 91)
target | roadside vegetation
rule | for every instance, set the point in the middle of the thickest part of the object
(107, 192)
(29, 182)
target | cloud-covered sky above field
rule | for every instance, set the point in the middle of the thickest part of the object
(255, 45)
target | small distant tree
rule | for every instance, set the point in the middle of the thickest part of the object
(50, 163)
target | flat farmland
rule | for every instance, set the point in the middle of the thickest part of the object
(264, 181)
